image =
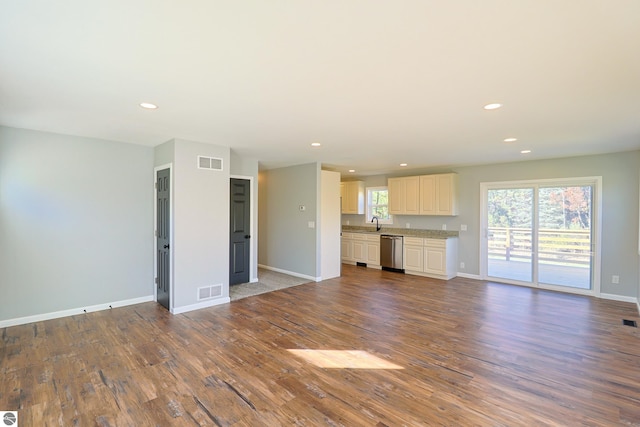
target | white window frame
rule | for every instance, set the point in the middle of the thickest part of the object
(368, 204)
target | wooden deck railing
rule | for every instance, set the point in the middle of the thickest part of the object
(566, 247)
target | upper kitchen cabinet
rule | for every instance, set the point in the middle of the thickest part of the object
(424, 195)
(404, 195)
(352, 193)
(439, 194)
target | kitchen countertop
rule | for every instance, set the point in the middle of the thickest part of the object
(408, 232)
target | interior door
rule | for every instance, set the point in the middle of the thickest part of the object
(240, 237)
(163, 211)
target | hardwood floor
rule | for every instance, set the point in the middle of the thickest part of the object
(469, 353)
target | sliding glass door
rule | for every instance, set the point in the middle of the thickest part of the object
(565, 236)
(541, 233)
(510, 227)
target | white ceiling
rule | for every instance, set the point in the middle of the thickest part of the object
(377, 82)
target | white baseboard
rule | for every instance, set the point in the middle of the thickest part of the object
(290, 273)
(200, 305)
(622, 298)
(470, 276)
(638, 304)
(254, 280)
(73, 311)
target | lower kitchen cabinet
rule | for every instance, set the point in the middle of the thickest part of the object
(346, 247)
(361, 247)
(413, 254)
(373, 251)
(436, 258)
(359, 250)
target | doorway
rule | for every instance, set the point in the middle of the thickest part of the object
(239, 231)
(542, 234)
(163, 244)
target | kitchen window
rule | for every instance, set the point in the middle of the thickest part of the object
(378, 205)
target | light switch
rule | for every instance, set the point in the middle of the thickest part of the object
(463, 227)
(312, 224)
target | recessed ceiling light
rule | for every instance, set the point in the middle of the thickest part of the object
(510, 139)
(525, 151)
(315, 144)
(403, 164)
(148, 105)
(494, 106)
(352, 170)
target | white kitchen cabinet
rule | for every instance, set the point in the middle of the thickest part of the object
(413, 254)
(346, 246)
(424, 195)
(428, 195)
(404, 195)
(359, 250)
(361, 247)
(439, 194)
(441, 258)
(373, 250)
(412, 195)
(352, 193)
(435, 258)
(395, 188)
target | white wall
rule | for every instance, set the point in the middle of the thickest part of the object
(164, 154)
(76, 222)
(200, 200)
(619, 209)
(243, 167)
(329, 226)
(286, 242)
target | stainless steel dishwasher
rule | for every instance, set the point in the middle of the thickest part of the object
(391, 252)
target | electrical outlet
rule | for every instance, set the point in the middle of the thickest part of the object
(462, 265)
(615, 279)
(408, 225)
(444, 226)
(463, 227)
(348, 222)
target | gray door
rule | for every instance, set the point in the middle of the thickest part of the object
(239, 245)
(163, 179)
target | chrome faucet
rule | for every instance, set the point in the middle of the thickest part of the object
(377, 223)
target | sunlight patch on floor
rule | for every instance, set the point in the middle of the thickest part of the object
(344, 359)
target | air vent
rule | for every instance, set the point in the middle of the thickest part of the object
(208, 292)
(627, 322)
(211, 163)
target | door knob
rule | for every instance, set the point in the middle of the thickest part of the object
(246, 236)
(166, 246)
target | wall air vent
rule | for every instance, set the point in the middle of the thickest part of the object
(211, 163)
(208, 292)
